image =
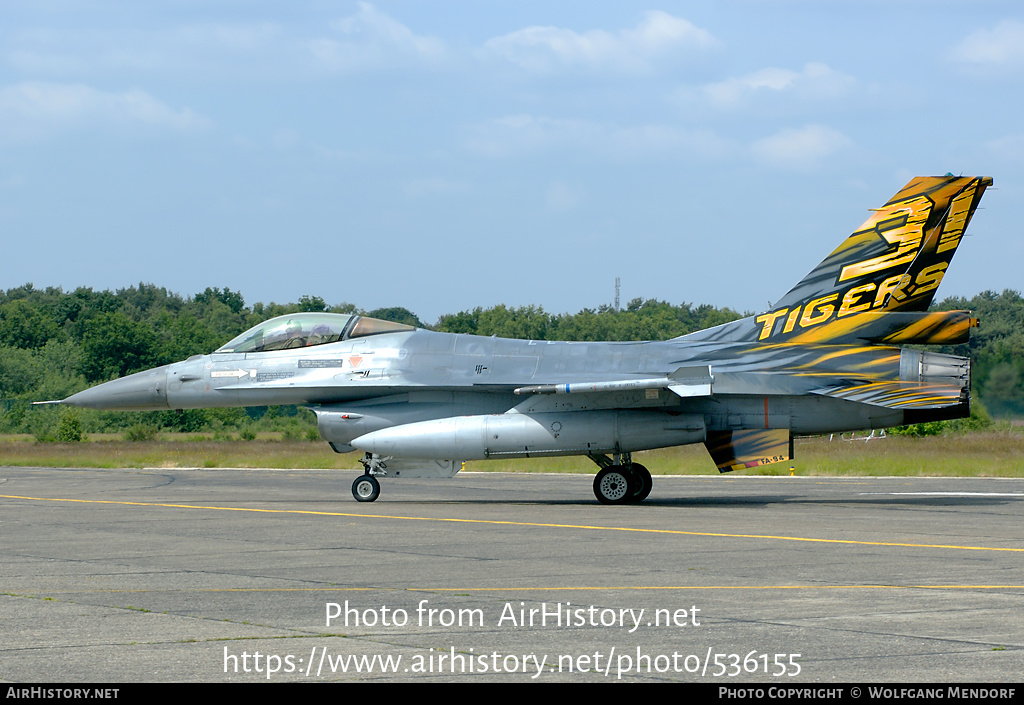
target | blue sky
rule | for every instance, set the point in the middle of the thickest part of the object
(444, 155)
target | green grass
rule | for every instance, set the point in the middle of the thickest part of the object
(187, 452)
(980, 454)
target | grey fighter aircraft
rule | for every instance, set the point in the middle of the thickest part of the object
(419, 403)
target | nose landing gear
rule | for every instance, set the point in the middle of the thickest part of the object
(366, 488)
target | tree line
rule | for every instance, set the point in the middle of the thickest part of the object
(54, 343)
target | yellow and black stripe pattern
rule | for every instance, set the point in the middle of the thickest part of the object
(893, 263)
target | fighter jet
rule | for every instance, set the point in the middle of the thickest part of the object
(418, 403)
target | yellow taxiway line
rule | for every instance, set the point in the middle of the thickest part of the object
(496, 522)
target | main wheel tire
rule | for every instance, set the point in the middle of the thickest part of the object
(644, 482)
(613, 485)
(366, 488)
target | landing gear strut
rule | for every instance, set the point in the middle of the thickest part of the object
(621, 481)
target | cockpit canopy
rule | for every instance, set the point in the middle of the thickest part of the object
(301, 330)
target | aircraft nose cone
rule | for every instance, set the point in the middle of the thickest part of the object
(142, 391)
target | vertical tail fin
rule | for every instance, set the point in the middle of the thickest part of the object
(892, 263)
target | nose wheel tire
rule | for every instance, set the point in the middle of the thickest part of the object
(366, 488)
(612, 486)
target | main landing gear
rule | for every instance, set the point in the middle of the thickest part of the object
(621, 481)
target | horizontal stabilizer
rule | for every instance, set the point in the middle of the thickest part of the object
(749, 448)
(894, 328)
(900, 395)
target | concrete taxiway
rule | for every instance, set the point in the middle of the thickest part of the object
(229, 575)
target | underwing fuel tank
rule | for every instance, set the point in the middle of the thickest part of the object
(517, 435)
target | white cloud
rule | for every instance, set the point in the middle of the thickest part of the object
(658, 36)
(1000, 46)
(435, 186)
(33, 109)
(286, 139)
(800, 149)
(204, 49)
(372, 40)
(561, 197)
(516, 135)
(240, 38)
(816, 82)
